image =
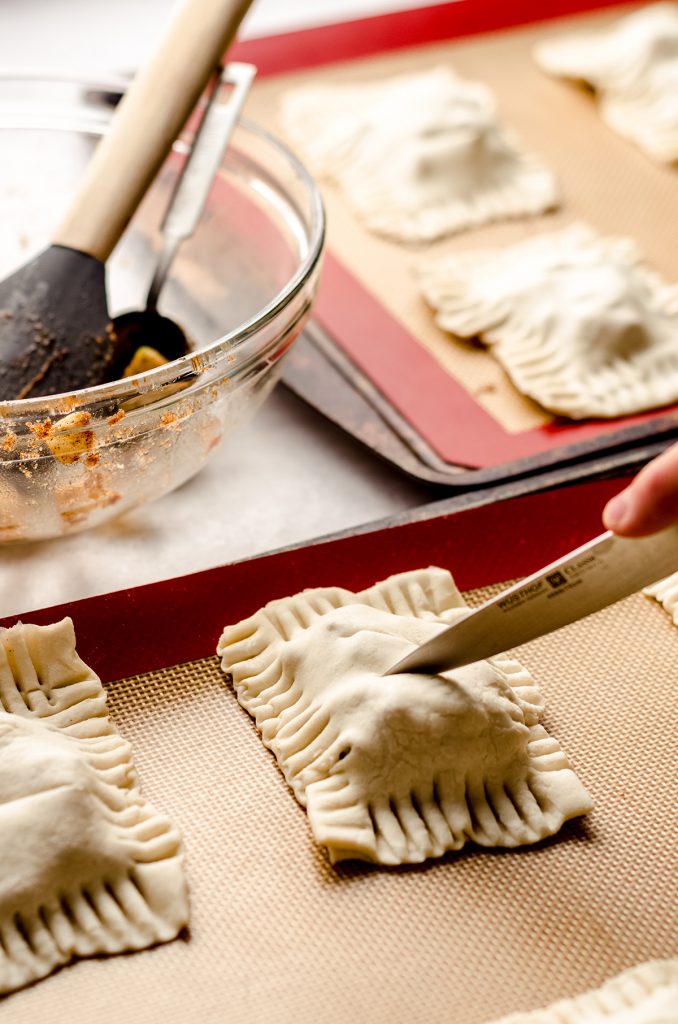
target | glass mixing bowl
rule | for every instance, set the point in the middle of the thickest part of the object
(242, 287)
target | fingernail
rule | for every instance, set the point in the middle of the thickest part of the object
(616, 511)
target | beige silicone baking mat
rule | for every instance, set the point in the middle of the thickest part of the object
(277, 935)
(603, 179)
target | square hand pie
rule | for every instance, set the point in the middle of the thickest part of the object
(647, 994)
(400, 768)
(666, 593)
(633, 65)
(88, 866)
(578, 322)
(417, 156)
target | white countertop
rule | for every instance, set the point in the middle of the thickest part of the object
(92, 34)
(288, 476)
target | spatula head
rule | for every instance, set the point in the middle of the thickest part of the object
(55, 331)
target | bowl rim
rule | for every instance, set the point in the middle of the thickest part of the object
(123, 388)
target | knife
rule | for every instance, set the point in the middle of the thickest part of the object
(593, 576)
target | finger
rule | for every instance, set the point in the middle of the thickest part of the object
(650, 502)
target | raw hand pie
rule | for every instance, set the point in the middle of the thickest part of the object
(418, 156)
(647, 994)
(579, 324)
(88, 866)
(400, 768)
(633, 64)
(666, 592)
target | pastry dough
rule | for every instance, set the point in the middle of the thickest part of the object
(633, 64)
(417, 156)
(578, 322)
(666, 592)
(647, 994)
(88, 866)
(400, 768)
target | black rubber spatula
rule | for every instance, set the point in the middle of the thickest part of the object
(55, 331)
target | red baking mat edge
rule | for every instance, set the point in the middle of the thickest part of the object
(145, 628)
(434, 403)
(325, 44)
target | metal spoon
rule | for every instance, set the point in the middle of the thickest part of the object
(148, 327)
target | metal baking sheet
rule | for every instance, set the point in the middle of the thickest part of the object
(455, 399)
(276, 932)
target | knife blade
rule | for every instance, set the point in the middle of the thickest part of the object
(593, 576)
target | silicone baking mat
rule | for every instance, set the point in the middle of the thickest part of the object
(278, 934)
(455, 394)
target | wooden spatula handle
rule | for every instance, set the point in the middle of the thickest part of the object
(147, 121)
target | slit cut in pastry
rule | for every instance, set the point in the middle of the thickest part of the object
(666, 593)
(647, 994)
(88, 866)
(400, 768)
(418, 156)
(577, 321)
(633, 65)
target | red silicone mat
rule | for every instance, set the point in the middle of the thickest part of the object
(447, 412)
(276, 932)
(497, 541)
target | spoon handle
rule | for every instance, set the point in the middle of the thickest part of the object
(200, 169)
(146, 123)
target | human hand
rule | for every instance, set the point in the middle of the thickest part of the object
(650, 502)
